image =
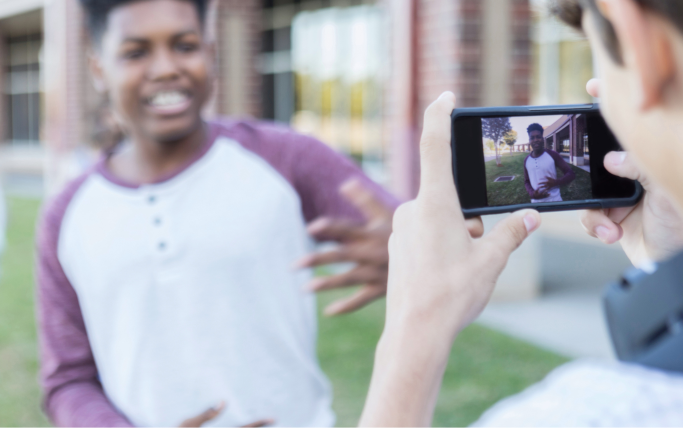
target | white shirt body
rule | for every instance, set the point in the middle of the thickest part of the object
(539, 170)
(199, 301)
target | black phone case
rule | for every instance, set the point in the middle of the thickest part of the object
(547, 207)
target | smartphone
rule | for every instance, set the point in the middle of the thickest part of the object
(547, 158)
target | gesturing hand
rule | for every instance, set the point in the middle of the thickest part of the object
(364, 244)
(651, 230)
(540, 193)
(549, 183)
(213, 412)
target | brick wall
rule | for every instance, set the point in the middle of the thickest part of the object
(236, 27)
(521, 52)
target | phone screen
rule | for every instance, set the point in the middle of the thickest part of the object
(541, 159)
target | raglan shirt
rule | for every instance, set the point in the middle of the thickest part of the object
(156, 302)
(537, 170)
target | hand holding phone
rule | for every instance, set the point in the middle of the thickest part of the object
(545, 158)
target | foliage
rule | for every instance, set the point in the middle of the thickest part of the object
(495, 128)
(510, 138)
(490, 144)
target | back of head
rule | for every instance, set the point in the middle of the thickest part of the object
(571, 12)
(97, 11)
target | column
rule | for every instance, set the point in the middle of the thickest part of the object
(64, 79)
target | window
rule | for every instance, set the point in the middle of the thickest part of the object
(22, 87)
(586, 151)
(338, 58)
(562, 60)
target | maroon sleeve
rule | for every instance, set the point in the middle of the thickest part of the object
(527, 182)
(73, 395)
(314, 170)
(569, 175)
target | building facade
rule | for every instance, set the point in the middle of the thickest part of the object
(358, 74)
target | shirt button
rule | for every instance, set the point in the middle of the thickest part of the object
(157, 221)
(162, 246)
(152, 199)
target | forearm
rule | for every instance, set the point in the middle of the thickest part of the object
(567, 178)
(83, 404)
(409, 366)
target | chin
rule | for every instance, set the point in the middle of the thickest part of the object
(175, 131)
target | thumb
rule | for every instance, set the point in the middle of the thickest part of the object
(509, 234)
(436, 160)
(622, 164)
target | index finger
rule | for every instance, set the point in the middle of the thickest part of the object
(367, 202)
(326, 229)
(205, 416)
(593, 88)
(436, 161)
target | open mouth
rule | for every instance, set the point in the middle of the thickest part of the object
(169, 102)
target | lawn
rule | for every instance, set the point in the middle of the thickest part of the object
(484, 366)
(513, 192)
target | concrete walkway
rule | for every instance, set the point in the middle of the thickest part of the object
(569, 322)
(567, 318)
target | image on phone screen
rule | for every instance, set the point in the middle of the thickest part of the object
(536, 159)
(549, 158)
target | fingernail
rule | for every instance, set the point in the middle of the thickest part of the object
(617, 158)
(602, 232)
(448, 94)
(530, 222)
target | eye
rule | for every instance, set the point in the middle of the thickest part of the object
(132, 54)
(186, 47)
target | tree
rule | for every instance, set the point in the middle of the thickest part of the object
(495, 128)
(510, 139)
(490, 144)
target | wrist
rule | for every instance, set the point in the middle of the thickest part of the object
(418, 339)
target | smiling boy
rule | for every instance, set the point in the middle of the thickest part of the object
(165, 274)
(540, 169)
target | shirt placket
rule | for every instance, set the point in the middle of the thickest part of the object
(157, 220)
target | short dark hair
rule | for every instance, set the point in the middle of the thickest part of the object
(97, 11)
(571, 12)
(534, 127)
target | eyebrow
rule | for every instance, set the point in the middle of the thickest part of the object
(145, 40)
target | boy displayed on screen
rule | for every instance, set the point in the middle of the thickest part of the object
(536, 159)
(540, 169)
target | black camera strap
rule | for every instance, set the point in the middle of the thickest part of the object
(644, 312)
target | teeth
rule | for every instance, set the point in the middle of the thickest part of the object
(166, 99)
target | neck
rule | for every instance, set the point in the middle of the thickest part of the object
(146, 161)
(537, 153)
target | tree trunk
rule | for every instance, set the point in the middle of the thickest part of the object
(498, 162)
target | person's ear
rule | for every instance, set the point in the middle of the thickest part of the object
(645, 47)
(97, 72)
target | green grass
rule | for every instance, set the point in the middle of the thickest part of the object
(484, 366)
(513, 192)
(19, 394)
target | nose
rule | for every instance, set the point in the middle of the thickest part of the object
(163, 66)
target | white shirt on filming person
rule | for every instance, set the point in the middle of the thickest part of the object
(594, 393)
